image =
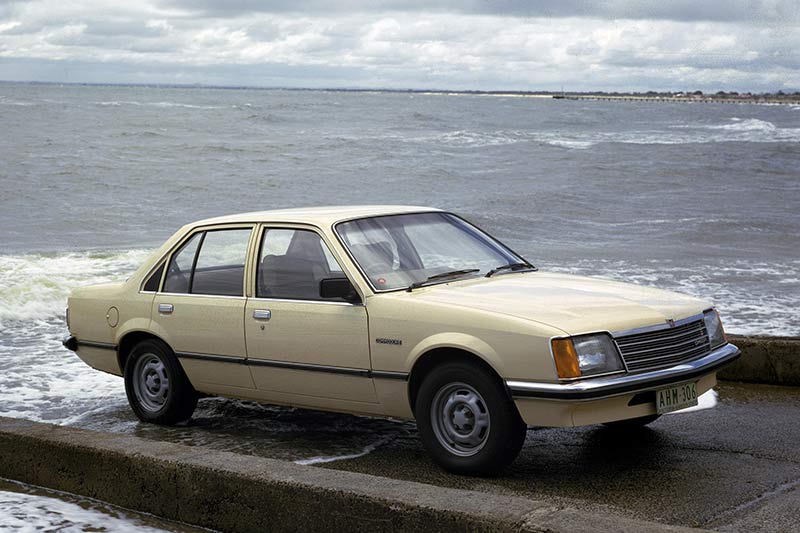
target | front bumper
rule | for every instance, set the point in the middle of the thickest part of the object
(607, 387)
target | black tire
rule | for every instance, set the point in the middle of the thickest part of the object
(157, 388)
(632, 423)
(475, 448)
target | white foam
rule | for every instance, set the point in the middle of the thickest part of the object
(750, 124)
(478, 138)
(331, 458)
(35, 287)
(737, 130)
(39, 379)
(32, 512)
(120, 103)
(565, 143)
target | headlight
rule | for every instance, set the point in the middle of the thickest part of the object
(586, 355)
(716, 335)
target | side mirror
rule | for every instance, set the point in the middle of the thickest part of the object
(338, 288)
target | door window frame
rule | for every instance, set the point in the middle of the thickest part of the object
(255, 258)
(167, 259)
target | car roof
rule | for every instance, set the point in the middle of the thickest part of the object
(318, 216)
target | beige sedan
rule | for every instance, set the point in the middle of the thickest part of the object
(403, 312)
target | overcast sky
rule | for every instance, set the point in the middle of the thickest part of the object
(451, 44)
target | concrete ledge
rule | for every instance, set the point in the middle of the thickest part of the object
(773, 360)
(231, 492)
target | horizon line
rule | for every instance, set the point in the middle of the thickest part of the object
(787, 92)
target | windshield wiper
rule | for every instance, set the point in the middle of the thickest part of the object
(510, 266)
(443, 275)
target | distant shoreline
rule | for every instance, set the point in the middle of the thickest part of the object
(649, 96)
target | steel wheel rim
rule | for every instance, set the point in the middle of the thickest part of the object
(460, 419)
(150, 382)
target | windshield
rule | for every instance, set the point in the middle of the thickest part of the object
(398, 251)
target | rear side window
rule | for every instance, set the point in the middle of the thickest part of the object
(210, 262)
(179, 272)
(219, 268)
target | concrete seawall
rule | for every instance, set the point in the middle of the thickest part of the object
(227, 492)
(774, 360)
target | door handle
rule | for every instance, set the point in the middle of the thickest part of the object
(165, 308)
(262, 314)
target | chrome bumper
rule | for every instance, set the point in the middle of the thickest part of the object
(605, 387)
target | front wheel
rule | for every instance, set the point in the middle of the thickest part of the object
(158, 390)
(467, 421)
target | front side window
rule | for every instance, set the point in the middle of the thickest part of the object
(291, 264)
(210, 262)
(397, 251)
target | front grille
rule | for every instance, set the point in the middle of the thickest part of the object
(665, 347)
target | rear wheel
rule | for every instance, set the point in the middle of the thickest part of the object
(632, 423)
(467, 421)
(158, 390)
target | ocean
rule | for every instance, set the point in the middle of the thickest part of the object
(698, 198)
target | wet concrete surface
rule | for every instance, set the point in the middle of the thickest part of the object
(733, 467)
(717, 468)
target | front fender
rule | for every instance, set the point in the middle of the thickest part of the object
(459, 341)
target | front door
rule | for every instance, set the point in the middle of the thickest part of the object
(306, 349)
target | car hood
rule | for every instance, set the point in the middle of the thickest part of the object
(573, 304)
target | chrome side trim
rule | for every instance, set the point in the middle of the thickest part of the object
(590, 389)
(291, 365)
(94, 344)
(296, 301)
(384, 374)
(211, 357)
(359, 372)
(196, 295)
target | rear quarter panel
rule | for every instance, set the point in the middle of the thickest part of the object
(92, 312)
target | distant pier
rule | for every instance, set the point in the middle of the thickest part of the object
(692, 99)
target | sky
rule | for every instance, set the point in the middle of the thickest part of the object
(606, 45)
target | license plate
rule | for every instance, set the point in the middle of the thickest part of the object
(675, 398)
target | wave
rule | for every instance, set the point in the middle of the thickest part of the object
(506, 137)
(120, 103)
(738, 130)
(750, 124)
(35, 287)
(567, 143)
(18, 103)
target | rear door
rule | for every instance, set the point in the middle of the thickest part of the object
(200, 309)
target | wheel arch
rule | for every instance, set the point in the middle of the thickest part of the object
(131, 339)
(440, 355)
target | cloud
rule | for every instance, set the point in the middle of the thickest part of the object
(679, 10)
(453, 45)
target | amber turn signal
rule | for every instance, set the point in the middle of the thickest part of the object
(566, 358)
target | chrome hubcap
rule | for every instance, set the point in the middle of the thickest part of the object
(460, 419)
(150, 382)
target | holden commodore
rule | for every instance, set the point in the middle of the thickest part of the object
(404, 312)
